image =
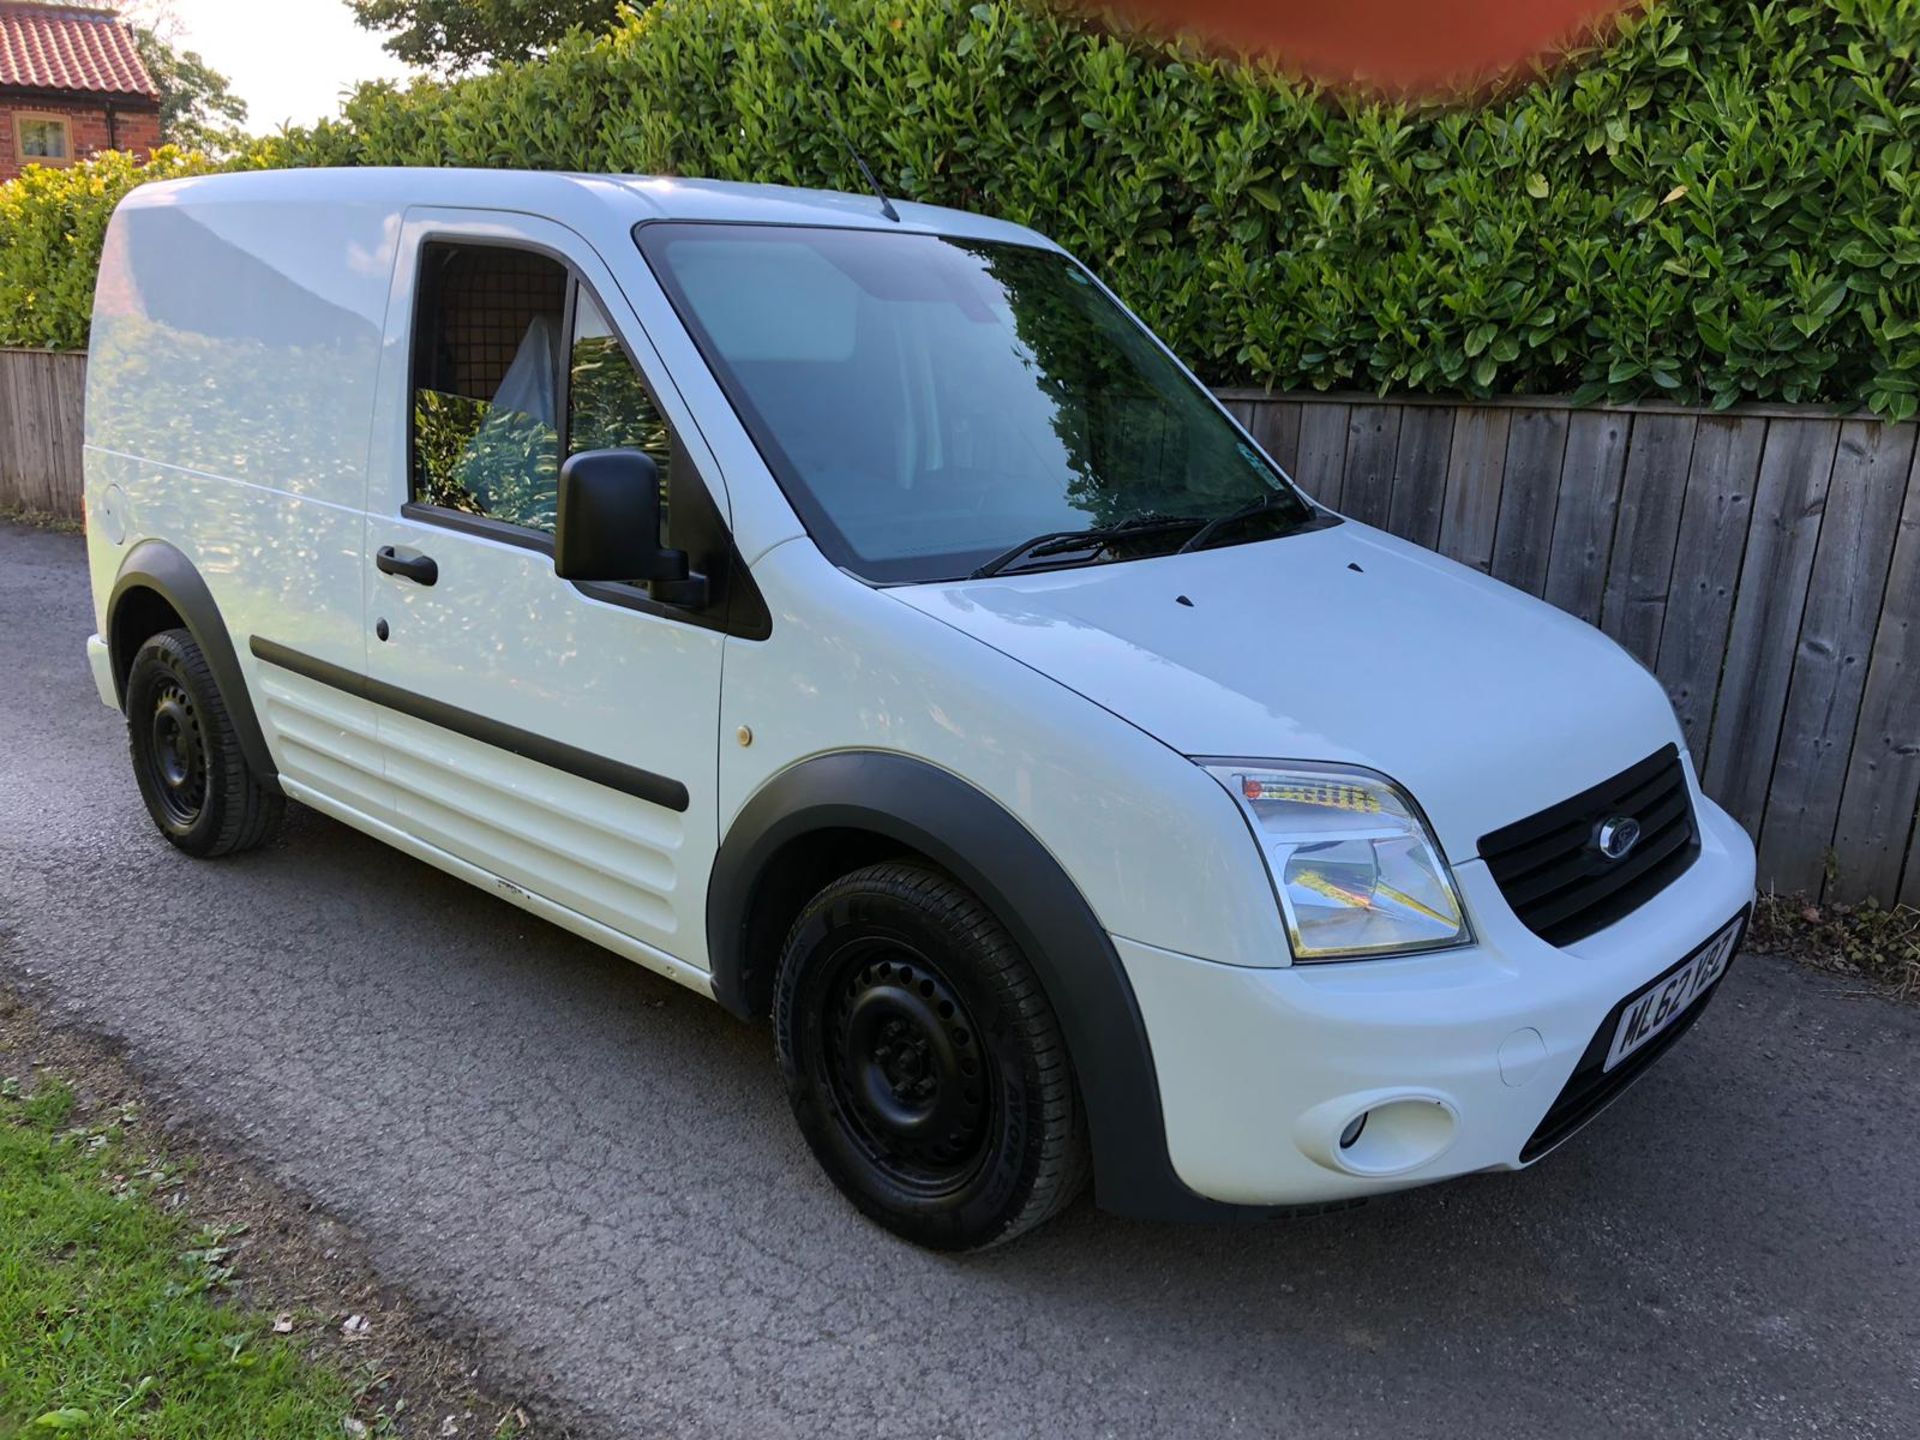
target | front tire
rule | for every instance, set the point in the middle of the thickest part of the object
(923, 1062)
(201, 792)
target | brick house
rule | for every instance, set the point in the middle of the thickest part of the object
(71, 84)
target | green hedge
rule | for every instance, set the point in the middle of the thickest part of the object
(52, 224)
(1722, 204)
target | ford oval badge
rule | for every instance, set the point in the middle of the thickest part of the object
(1617, 836)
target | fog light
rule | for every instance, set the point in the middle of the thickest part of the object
(1377, 1134)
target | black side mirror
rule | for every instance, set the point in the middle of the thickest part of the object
(608, 526)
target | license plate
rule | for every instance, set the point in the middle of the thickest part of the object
(1667, 999)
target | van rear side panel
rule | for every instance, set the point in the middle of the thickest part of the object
(235, 355)
(241, 338)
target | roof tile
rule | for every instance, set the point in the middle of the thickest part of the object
(69, 47)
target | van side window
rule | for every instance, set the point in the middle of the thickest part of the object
(486, 382)
(608, 404)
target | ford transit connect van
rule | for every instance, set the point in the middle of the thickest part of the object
(852, 613)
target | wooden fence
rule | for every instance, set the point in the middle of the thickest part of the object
(40, 408)
(1763, 562)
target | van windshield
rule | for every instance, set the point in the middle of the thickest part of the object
(938, 407)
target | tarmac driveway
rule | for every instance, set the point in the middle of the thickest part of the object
(595, 1170)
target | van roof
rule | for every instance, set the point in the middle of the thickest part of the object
(630, 198)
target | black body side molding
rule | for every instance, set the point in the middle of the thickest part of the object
(629, 779)
(157, 566)
(968, 834)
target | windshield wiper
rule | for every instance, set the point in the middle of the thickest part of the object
(1269, 501)
(1062, 542)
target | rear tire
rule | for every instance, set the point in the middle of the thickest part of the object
(199, 788)
(923, 1062)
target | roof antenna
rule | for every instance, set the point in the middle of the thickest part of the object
(886, 205)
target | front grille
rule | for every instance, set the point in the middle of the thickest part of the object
(1550, 868)
(1592, 1087)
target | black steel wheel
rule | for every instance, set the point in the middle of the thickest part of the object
(898, 1057)
(179, 750)
(187, 759)
(923, 1063)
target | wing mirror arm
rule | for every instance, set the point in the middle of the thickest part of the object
(690, 592)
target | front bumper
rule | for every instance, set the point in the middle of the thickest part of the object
(100, 662)
(1457, 1057)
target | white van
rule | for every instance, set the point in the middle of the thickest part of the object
(851, 612)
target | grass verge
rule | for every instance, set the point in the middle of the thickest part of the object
(155, 1287)
(106, 1299)
(1874, 943)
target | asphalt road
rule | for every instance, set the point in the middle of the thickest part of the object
(595, 1170)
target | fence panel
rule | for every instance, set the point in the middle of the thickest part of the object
(1529, 498)
(1633, 604)
(1322, 460)
(1583, 524)
(1475, 471)
(40, 394)
(1765, 563)
(1714, 520)
(1843, 609)
(1795, 468)
(1877, 829)
(1373, 439)
(1276, 425)
(1420, 473)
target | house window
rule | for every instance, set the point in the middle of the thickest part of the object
(45, 139)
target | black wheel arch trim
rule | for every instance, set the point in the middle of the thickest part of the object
(160, 567)
(970, 835)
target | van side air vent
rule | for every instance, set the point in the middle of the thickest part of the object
(1560, 881)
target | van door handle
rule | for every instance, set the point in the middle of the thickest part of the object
(418, 568)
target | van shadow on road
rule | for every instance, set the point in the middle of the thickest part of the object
(594, 1169)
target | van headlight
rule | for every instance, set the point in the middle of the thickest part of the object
(1357, 870)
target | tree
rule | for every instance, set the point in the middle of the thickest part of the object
(198, 109)
(453, 36)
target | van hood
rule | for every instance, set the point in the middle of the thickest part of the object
(1344, 645)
